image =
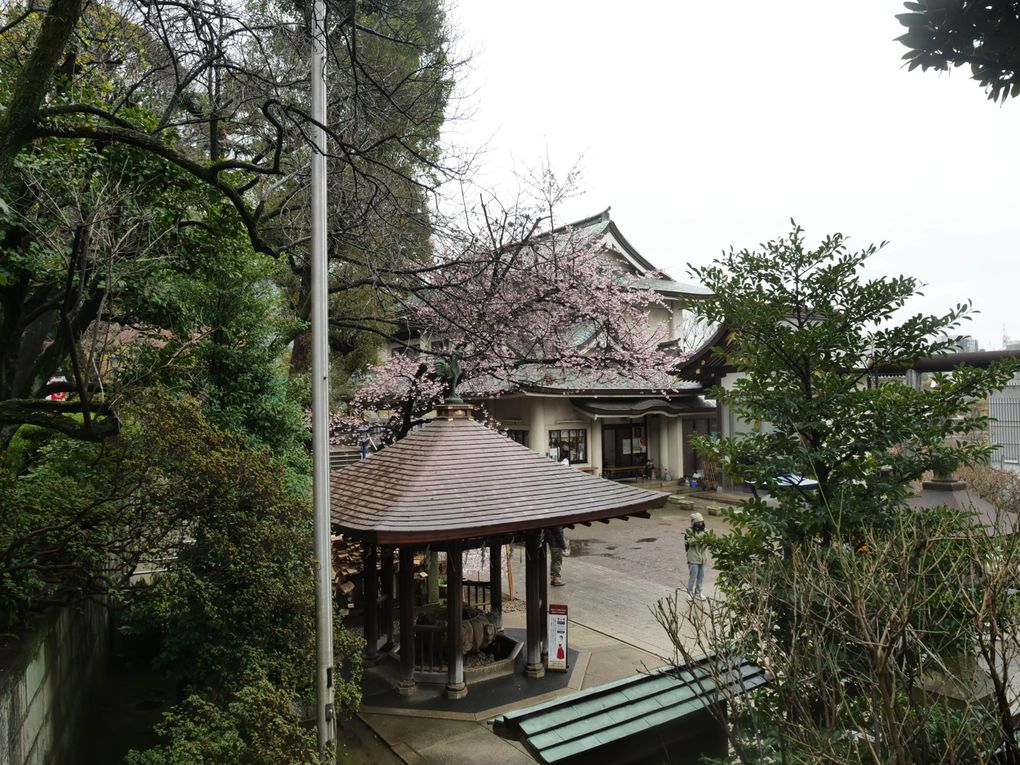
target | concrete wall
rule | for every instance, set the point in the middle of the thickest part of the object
(46, 679)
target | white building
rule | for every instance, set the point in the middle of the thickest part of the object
(620, 428)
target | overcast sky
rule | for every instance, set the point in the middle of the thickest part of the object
(708, 124)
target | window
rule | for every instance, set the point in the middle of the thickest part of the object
(520, 436)
(574, 441)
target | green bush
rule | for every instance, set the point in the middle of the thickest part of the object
(255, 726)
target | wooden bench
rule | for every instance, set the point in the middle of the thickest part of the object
(627, 472)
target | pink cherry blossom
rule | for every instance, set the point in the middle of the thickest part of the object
(553, 308)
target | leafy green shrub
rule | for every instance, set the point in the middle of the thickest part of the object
(240, 589)
(255, 726)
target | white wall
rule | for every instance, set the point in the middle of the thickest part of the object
(538, 415)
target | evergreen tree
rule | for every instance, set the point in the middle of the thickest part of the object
(809, 338)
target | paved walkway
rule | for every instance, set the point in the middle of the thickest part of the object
(614, 573)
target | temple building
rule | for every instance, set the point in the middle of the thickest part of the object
(620, 427)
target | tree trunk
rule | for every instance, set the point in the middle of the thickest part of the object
(301, 353)
(33, 79)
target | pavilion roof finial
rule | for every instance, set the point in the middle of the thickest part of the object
(449, 369)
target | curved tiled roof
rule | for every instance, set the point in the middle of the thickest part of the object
(456, 479)
(709, 363)
(639, 407)
(549, 379)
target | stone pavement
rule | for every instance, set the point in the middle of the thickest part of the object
(613, 574)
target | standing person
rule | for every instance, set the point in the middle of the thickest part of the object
(694, 544)
(557, 544)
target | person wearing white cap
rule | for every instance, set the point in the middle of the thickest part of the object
(694, 544)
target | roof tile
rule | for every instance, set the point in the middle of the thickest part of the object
(456, 479)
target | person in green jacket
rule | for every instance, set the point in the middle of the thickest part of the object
(694, 544)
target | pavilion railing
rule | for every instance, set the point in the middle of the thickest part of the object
(429, 643)
(429, 648)
(478, 594)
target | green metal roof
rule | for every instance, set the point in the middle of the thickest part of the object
(569, 728)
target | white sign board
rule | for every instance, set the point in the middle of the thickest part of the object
(557, 661)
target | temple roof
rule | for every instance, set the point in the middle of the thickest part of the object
(549, 379)
(455, 479)
(639, 407)
(709, 364)
(602, 225)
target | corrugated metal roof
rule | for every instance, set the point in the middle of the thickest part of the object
(456, 479)
(576, 727)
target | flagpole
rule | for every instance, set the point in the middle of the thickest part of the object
(326, 716)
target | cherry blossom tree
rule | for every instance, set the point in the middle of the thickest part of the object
(515, 302)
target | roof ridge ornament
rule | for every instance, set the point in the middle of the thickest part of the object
(449, 370)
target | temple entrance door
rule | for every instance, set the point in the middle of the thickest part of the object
(690, 426)
(624, 449)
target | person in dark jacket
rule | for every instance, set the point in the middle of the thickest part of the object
(557, 544)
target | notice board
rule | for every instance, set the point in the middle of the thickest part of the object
(557, 661)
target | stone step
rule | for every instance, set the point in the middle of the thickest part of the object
(681, 502)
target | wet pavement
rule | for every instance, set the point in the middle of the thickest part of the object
(615, 573)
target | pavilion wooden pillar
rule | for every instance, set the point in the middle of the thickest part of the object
(387, 591)
(532, 574)
(406, 685)
(371, 603)
(455, 686)
(496, 584)
(543, 591)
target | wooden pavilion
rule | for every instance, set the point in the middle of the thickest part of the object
(454, 485)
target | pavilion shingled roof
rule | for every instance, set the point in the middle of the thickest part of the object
(455, 479)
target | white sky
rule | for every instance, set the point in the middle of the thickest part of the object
(706, 124)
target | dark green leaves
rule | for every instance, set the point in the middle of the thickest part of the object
(811, 336)
(948, 33)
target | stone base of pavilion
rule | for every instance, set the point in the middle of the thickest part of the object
(488, 697)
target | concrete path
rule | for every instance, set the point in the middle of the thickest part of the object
(615, 573)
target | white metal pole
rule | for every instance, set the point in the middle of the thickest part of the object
(320, 399)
